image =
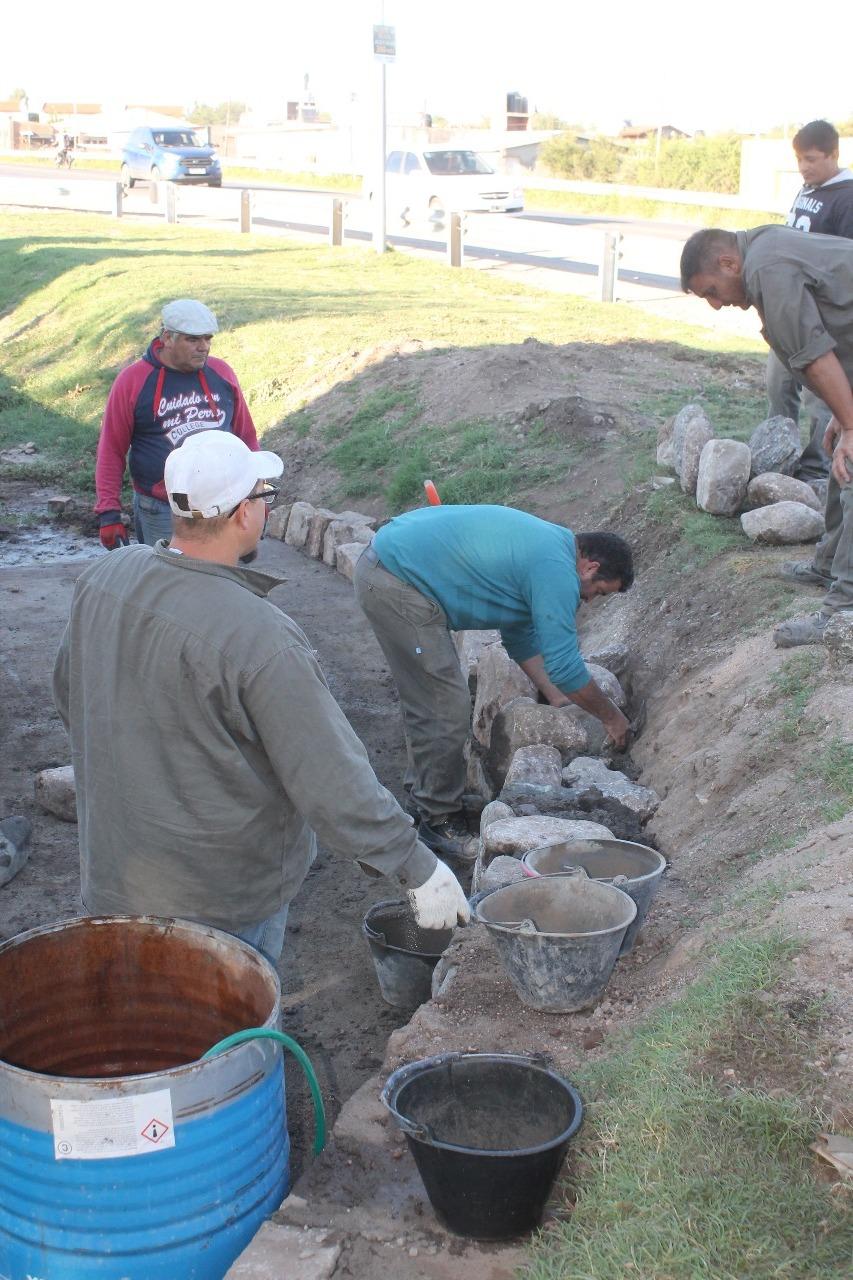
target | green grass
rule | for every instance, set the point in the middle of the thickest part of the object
(639, 207)
(80, 297)
(793, 685)
(697, 537)
(734, 413)
(680, 1174)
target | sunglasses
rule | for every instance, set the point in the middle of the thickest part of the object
(269, 493)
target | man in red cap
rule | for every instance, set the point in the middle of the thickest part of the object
(176, 389)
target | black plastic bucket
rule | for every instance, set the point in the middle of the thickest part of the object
(488, 1132)
(634, 868)
(404, 955)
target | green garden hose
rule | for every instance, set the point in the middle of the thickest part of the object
(264, 1033)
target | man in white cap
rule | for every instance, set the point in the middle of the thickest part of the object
(176, 389)
(207, 748)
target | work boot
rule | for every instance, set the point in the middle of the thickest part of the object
(808, 629)
(449, 839)
(805, 573)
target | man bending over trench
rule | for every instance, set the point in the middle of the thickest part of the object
(446, 568)
(207, 748)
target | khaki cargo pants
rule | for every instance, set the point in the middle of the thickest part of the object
(434, 699)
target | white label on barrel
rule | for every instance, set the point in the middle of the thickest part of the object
(105, 1128)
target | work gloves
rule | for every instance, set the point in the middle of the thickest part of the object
(439, 903)
(112, 532)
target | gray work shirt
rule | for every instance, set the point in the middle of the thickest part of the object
(207, 747)
(802, 287)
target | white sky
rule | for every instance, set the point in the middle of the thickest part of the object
(755, 65)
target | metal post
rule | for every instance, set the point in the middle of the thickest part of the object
(336, 230)
(117, 199)
(170, 204)
(245, 211)
(454, 241)
(379, 211)
(608, 268)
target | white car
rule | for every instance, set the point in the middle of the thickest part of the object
(433, 182)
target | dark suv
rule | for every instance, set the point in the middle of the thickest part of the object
(171, 155)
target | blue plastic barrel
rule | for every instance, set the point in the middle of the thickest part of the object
(103, 1021)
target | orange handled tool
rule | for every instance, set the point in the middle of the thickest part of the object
(432, 494)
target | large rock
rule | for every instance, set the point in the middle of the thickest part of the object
(536, 767)
(783, 522)
(696, 436)
(525, 723)
(14, 847)
(276, 526)
(501, 871)
(614, 657)
(471, 645)
(665, 444)
(723, 476)
(773, 486)
(608, 683)
(301, 514)
(838, 638)
(339, 532)
(54, 791)
(499, 680)
(346, 558)
(516, 835)
(317, 527)
(563, 802)
(591, 780)
(357, 517)
(691, 416)
(775, 446)
(494, 811)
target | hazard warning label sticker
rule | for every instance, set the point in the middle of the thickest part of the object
(103, 1129)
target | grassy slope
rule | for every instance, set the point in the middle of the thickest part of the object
(79, 297)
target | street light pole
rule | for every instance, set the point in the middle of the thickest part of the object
(379, 228)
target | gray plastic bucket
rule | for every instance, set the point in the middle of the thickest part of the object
(404, 956)
(558, 937)
(635, 868)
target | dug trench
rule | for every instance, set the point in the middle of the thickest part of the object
(748, 748)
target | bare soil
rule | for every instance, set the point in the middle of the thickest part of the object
(748, 829)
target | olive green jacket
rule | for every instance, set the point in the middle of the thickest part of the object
(207, 747)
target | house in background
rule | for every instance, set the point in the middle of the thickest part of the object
(642, 132)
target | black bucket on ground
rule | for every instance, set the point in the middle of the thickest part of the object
(488, 1132)
(634, 868)
(557, 937)
(404, 955)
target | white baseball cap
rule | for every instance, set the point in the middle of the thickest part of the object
(185, 315)
(213, 471)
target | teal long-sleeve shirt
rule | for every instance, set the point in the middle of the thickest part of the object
(494, 567)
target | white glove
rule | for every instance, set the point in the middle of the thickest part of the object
(440, 903)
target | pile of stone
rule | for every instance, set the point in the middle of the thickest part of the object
(336, 538)
(542, 763)
(755, 480)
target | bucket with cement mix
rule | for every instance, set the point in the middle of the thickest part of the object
(404, 955)
(634, 868)
(488, 1132)
(126, 1156)
(558, 937)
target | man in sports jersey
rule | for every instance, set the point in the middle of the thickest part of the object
(824, 204)
(175, 390)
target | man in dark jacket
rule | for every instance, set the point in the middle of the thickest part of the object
(824, 204)
(176, 389)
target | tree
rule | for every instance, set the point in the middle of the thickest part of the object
(226, 113)
(17, 94)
